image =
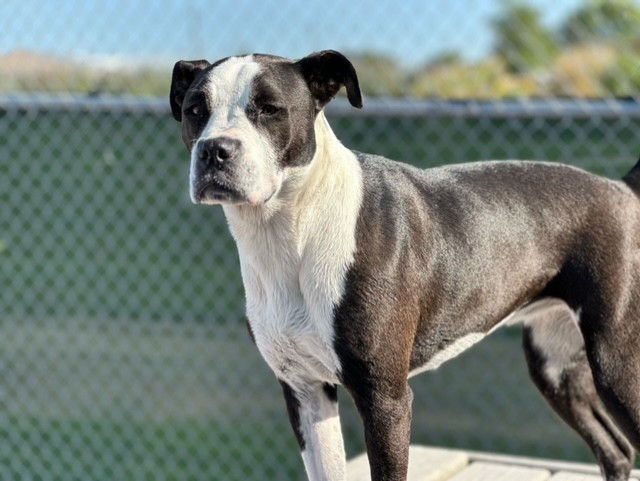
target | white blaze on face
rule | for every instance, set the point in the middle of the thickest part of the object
(228, 91)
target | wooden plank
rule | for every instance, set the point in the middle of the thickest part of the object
(551, 464)
(425, 464)
(565, 476)
(481, 471)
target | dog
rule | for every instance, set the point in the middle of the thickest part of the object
(362, 271)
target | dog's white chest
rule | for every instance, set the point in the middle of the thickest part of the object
(294, 259)
(293, 328)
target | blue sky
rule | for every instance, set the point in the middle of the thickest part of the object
(410, 30)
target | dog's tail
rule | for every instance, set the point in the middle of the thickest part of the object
(632, 179)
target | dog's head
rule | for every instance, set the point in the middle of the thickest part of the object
(247, 120)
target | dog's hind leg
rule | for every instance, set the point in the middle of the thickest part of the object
(558, 365)
(612, 338)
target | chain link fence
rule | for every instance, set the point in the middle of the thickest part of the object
(123, 348)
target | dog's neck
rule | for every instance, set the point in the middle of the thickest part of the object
(310, 197)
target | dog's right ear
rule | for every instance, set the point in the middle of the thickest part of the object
(184, 72)
(325, 73)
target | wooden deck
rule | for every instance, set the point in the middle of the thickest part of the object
(437, 464)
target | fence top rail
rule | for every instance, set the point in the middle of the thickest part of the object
(374, 106)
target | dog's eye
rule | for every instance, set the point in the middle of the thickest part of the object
(196, 110)
(269, 109)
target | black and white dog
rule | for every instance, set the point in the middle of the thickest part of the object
(362, 271)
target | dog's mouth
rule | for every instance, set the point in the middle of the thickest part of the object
(214, 191)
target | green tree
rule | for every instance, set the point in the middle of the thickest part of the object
(623, 79)
(379, 74)
(602, 21)
(522, 40)
(444, 58)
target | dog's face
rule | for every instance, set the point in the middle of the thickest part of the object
(248, 120)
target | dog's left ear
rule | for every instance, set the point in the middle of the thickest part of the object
(184, 73)
(327, 71)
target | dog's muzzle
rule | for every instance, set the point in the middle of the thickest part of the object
(217, 153)
(215, 161)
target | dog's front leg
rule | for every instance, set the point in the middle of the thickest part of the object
(386, 414)
(313, 412)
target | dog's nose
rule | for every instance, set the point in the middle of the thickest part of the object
(218, 151)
